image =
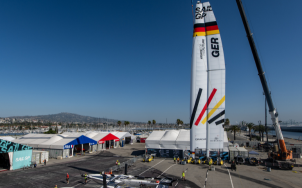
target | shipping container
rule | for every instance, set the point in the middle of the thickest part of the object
(35, 159)
(42, 156)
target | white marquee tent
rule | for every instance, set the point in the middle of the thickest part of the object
(173, 139)
(7, 138)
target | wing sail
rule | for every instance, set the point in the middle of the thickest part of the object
(208, 74)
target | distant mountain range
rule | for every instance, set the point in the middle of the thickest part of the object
(66, 117)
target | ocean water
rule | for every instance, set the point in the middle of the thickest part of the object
(294, 135)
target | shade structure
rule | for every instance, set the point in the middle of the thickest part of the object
(72, 139)
(34, 140)
(122, 135)
(108, 137)
(99, 136)
(171, 139)
(168, 140)
(7, 138)
(183, 140)
(153, 141)
(52, 140)
(91, 134)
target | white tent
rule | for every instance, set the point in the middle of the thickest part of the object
(7, 138)
(91, 134)
(183, 140)
(99, 136)
(153, 141)
(172, 139)
(68, 138)
(34, 140)
(168, 140)
(51, 141)
(122, 135)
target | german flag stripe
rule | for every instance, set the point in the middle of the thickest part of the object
(204, 29)
(199, 29)
(212, 32)
(211, 28)
(205, 33)
(199, 25)
(210, 23)
(199, 34)
(205, 24)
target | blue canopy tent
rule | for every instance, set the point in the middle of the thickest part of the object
(82, 140)
(83, 143)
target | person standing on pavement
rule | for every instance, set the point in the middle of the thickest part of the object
(174, 159)
(67, 178)
(56, 186)
(85, 176)
(45, 162)
(183, 176)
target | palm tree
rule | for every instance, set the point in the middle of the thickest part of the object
(259, 130)
(234, 128)
(153, 122)
(250, 126)
(256, 128)
(149, 123)
(178, 121)
(262, 130)
(126, 123)
(119, 124)
(227, 121)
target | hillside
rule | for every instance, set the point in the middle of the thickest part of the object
(65, 117)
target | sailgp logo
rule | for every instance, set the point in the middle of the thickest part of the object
(199, 13)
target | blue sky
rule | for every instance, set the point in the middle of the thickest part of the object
(131, 60)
